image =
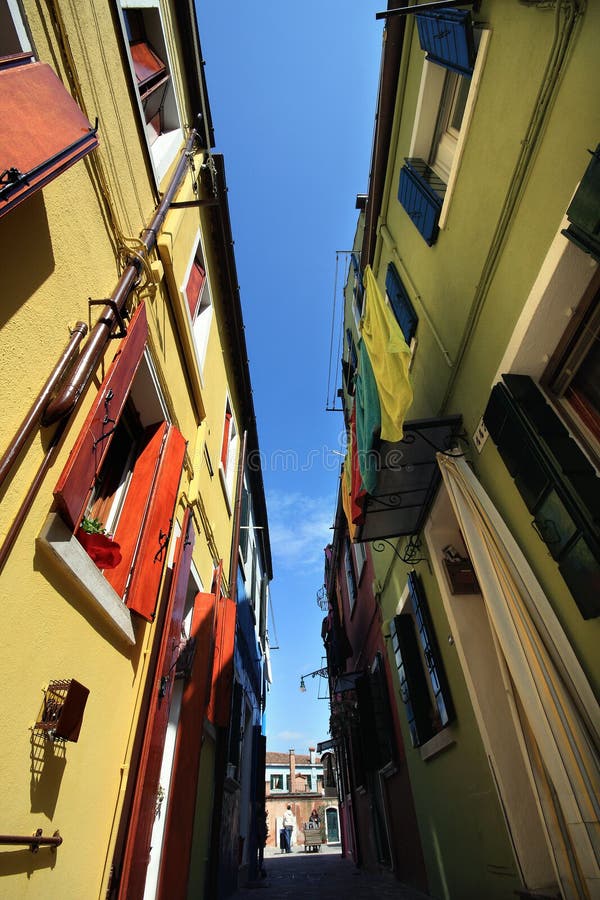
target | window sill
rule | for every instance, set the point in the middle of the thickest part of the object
(439, 742)
(58, 542)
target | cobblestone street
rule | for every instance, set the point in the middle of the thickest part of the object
(323, 876)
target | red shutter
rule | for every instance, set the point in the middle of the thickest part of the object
(89, 450)
(193, 288)
(157, 509)
(43, 130)
(222, 675)
(137, 849)
(179, 824)
(225, 446)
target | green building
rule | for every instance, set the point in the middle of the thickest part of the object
(481, 229)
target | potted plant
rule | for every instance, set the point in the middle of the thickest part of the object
(98, 545)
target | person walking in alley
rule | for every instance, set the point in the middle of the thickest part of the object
(289, 823)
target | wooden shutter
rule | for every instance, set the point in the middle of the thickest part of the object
(584, 210)
(86, 457)
(179, 824)
(226, 433)
(244, 522)
(43, 131)
(159, 508)
(222, 676)
(447, 38)
(143, 813)
(400, 303)
(193, 289)
(421, 194)
(413, 687)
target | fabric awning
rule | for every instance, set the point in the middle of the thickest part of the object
(560, 721)
(43, 131)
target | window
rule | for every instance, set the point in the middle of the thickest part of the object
(196, 289)
(400, 302)
(360, 559)
(350, 573)
(288, 782)
(125, 466)
(276, 782)
(228, 451)
(455, 54)
(357, 288)
(35, 147)
(14, 37)
(423, 685)
(151, 69)
(556, 481)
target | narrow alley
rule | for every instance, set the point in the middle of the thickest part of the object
(322, 876)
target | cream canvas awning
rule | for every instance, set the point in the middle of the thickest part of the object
(558, 714)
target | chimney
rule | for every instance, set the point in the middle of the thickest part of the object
(292, 770)
(311, 751)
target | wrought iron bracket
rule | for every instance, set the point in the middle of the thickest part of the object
(411, 551)
(122, 332)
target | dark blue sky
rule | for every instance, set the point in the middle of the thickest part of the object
(292, 89)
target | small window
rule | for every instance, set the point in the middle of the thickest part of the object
(276, 782)
(450, 116)
(423, 685)
(360, 559)
(198, 297)
(350, 574)
(229, 449)
(14, 37)
(152, 72)
(357, 288)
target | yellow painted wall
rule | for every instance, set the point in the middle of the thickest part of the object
(58, 249)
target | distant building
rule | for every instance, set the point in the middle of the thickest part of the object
(306, 782)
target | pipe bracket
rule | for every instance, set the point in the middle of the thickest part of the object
(122, 332)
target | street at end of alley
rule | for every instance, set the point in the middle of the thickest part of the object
(322, 876)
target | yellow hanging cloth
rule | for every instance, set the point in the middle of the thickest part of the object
(390, 357)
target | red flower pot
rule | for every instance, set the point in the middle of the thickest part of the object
(101, 549)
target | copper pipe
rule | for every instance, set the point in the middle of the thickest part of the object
(34, 841)
(66, 400)
(17, 523)
(34, 415)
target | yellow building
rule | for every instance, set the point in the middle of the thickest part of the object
(127, 408)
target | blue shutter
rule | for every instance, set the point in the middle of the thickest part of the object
(400, 302)
(584, 211)
(556, 481)
(447, 38)
(421, 193)
(435, 666)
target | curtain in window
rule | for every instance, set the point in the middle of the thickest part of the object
(559, 717)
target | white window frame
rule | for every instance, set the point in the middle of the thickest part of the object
(164, 148)
(17, 16)
(431, 91)
(360, 558)
(201, 324)
(227, 472)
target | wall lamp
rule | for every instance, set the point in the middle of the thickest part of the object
(322, 673)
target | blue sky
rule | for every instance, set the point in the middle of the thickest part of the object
(292, 89)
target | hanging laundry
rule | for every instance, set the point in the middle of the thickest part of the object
(390, 357)
(368, 420)
(357, 492)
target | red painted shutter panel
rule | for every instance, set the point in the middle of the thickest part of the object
(43, 130)
(151, 553)
(222, 674)
(193, 288)
(76, 480)
(143, 813)
(225, 446)
(179, 824)
(131, 520)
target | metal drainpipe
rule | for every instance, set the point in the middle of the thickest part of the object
(67, 398)
(33, 417)
(563, 37)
